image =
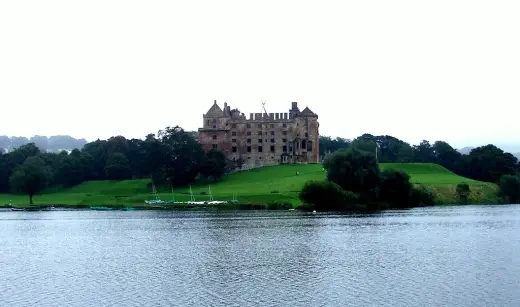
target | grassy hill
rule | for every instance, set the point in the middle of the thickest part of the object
(281, 182)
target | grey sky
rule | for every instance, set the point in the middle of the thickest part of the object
(437, 70)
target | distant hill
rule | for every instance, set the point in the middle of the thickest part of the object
(465, 150)
(53, 143)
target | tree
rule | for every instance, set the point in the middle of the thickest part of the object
(489, 163)
(509, 188)
(365, 145)
(447, 156)
(354, 171)
(117, 167)
(424, 152)
(328, 196)
(395, 188)
(184, 156)
(214, 165)
(463, 192)
(30, 178)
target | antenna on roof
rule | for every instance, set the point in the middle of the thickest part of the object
(263, 106)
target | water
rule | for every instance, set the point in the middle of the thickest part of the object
(452, 256)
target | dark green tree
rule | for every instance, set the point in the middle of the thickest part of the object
(214, 166)
(489, 163)
(117, 167)
(509, 189)
(328, 196)
(354, 171)
(30, 178)
(446, 156)
(396, 188)
(183, 156)
(424, 152)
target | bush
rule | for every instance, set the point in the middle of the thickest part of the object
(421, 197)
(509, 188)
(328, 196)
(463, 192)
(395, 188)
(355, 171)
(279, 205)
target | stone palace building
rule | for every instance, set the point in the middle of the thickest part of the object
(263, 138)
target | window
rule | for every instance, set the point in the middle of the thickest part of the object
(272, 140)
(259, 148)
(207, 122)
(248, 148)
(284, 125)
(233, 133)
(259, 140)
(248, 125)
(214, 136)
(260, 126)
(284, 148)
(234, 149)
(272, 148)
(271, 125)
(284, 133)
(284, 140)
(249, 133)
(249, 140)
(260, 133)
(233, 125)
(234, 140)
(214, 126)
(306, 135)
(272, 132)
(215, 146)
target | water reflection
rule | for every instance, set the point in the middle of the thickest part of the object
(464, 256)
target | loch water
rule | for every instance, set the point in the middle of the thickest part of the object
(436, 256)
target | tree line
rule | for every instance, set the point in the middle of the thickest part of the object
(174, 157)
(171, 157)
(485, 163)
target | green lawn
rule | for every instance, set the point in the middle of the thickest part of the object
(256, 186)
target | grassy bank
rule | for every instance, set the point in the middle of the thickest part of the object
(257, 186)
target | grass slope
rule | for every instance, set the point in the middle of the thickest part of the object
(256, 186)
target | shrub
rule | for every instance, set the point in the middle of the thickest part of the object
(421, 197)
(463, 192)
(395, 188)
(509, 188)
(355, 171)
(328, 196)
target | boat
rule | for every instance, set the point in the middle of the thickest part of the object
(156, 200)
(17, 209)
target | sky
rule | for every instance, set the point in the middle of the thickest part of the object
(434, 70)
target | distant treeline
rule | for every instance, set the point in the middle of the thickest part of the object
(45, 144)
(485, 163)
(173, 157)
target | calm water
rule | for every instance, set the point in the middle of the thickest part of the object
(455, 256)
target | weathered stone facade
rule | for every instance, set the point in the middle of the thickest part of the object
(263, 138)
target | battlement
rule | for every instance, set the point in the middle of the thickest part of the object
(216, 112)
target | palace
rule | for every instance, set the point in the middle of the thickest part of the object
(263, 138)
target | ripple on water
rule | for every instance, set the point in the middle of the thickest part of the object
(464, 256)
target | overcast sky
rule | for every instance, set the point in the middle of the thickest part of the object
(436, 70)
